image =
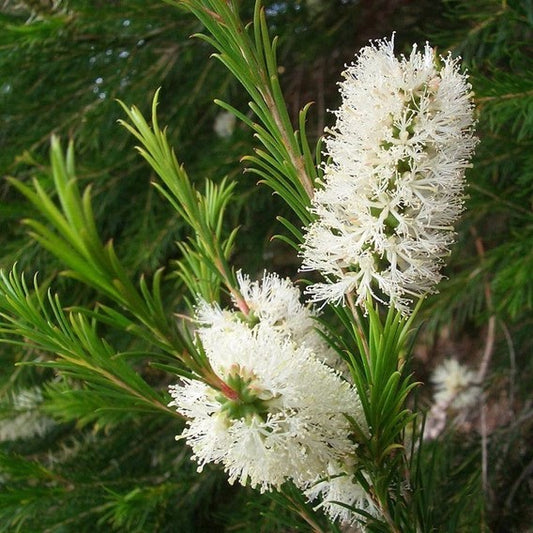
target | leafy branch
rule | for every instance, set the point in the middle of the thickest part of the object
(377, 350)
(287, 165)
(74, 239)
(204, 264)
(26, 317)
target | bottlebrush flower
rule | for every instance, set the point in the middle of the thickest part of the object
(341, 495)
(274, 301)
(284, 418)
(394, 185)
(279, 415)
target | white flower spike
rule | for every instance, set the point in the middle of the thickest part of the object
(281, 416)
(394, 185)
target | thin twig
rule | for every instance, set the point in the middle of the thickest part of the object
(512, 362)
(489, 342)
(359, 326)
(528, 471)
(502, 201)
(508, 96)
(483, 367)
(302, 512)
(488, 350)
(296, 159)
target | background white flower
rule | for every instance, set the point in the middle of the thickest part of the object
(224, 124)
(394, 186)
(21, 417)
(455, 385)
(456, 392)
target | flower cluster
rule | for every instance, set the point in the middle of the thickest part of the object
(457, 390)
(455, 385)
(281, 414)
(392, 189)
(394, 185)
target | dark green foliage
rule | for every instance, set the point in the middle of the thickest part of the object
(70, 78)
(497, 50)
(490, 271)
(130, 478)
(450, 458)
